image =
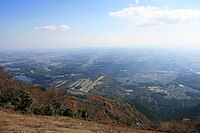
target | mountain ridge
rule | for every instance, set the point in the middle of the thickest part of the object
(57, 102)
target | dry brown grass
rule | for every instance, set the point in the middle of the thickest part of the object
(184, 126)
(13, 122)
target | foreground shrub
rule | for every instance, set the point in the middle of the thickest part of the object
(49, 110)
(52, 108)
(82, 113)
(67, 112)
(16, 100)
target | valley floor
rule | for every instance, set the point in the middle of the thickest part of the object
(12, 122)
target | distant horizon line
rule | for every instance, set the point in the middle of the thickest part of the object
(98, 47)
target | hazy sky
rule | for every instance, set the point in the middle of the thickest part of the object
(99, 23)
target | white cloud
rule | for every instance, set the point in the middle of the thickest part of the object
(137, 2)
(148, 15)
(53, 28)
